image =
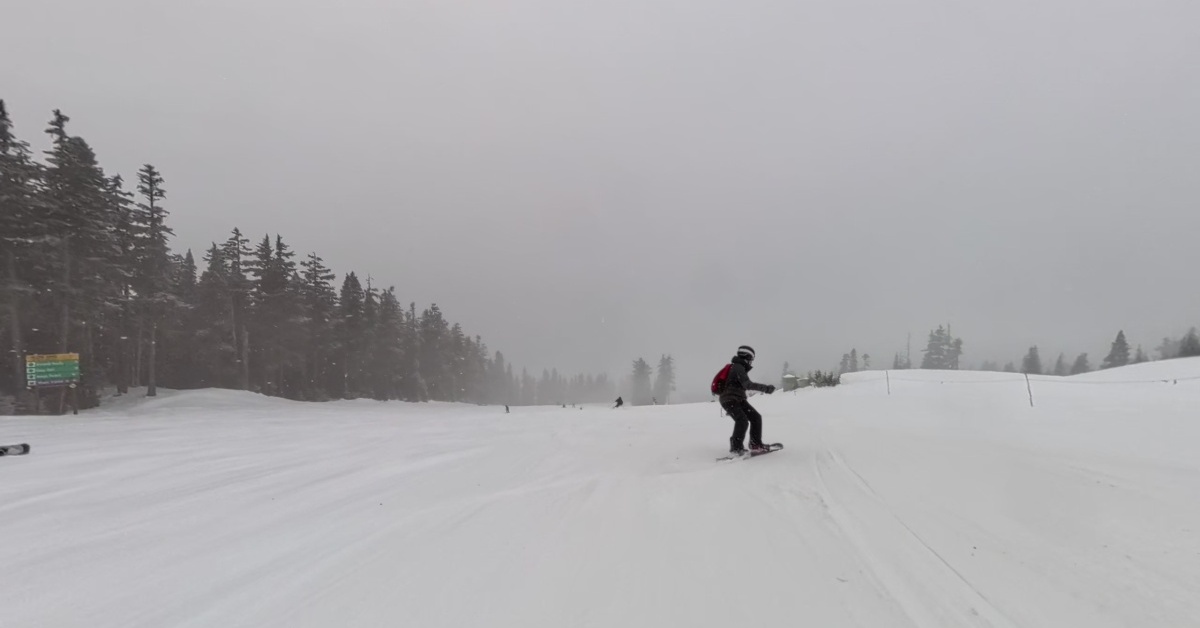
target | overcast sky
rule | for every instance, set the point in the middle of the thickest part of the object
(584, 182)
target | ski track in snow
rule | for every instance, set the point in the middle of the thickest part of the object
(938, 506)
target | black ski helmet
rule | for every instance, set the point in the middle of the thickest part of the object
(746, 352)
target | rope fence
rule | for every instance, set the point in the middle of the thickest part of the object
(1040, 380)
(1017, 378)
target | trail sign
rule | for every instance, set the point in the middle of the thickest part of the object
(60, 369)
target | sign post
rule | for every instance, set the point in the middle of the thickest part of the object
(56, 370)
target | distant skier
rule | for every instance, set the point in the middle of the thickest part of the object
(731, 384)
(619, 403)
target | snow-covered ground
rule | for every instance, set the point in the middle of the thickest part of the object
(950, 502)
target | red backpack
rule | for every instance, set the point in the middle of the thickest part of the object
(718, 383)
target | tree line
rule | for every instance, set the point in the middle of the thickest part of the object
(943, 351)
(86, 267)
(1119, 354)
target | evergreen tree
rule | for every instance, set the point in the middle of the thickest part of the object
(545, 390)
(500, 381)
(386, 350)
(215, 330)
(434, 340)
(236, 258)
(935, 350)
(854, 360)
(180, 367)
(19, 269)
(866, 362)
(1119, 354)
(352, 325)
(1169, 348)
(641, 389)
(1032, 364)
(943, 350)
(153, 271)
(151, 250)
(1190, 345)
(458, 365)
(320, 307)
(1140, 356)
(1081, 365)
(509, 386)
(86, 280)
(185, 277)
(512, 386)
(954, 354)
(413, 385)
(277, 320)
(664, 381)
(823, 380)
(130, 307)
(528, 389)
(478, 381)
(1060, 366)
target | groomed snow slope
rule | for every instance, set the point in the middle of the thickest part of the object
(948, 503)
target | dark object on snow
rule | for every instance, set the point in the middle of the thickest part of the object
(744, 415)
(14, 450)
(738, 380)
(506, 408)
(733, 400)
(620, 403)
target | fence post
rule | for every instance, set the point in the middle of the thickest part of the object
(887, 375)
(1029, 388)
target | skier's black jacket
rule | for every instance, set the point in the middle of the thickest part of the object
(739, 382)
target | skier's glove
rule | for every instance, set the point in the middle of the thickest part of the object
(770, 389)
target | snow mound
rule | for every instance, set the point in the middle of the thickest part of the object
(214, 400)
(1179, 369)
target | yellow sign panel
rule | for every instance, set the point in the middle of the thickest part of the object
(54, 357)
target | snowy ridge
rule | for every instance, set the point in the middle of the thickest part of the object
(936, 505)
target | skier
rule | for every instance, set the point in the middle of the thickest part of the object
(619, 403)
(733, 400)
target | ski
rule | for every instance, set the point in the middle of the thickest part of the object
(14, 450)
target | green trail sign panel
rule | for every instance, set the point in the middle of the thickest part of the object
(60, 369)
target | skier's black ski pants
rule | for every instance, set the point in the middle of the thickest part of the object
(744, 415)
